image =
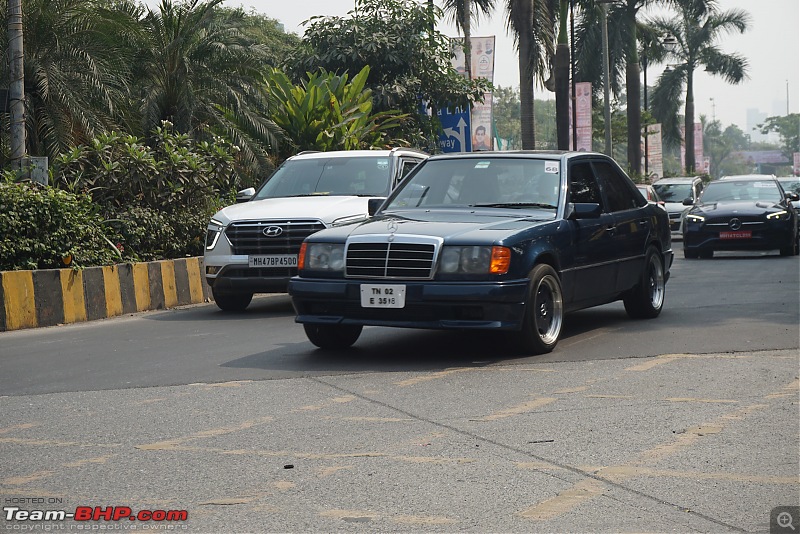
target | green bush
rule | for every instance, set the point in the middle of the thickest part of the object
(45, 228)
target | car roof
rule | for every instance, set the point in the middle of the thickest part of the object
(677, 180)
(511, 154)
(751, 177)
(318, 154)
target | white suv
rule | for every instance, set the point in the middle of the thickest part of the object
(674, 191)
(251, 247)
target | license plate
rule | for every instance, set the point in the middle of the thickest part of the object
(744, 234)
(274, 260)
(383, 296)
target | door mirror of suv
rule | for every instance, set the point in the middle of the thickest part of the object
(245, 194)
(688, 201)
(794, 197)
(373, 204)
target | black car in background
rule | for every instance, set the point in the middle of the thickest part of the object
(742, 213)
(494, 240)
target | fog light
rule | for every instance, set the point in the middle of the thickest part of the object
(212, 269)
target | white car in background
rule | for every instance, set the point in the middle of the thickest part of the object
(677, 193)
(251, 247)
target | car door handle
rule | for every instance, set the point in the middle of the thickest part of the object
(611, 230)
(643, 222)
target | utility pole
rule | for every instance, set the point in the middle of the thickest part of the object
(17, 87)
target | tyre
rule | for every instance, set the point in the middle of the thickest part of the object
(690, 254)
(706, 254)
(231, 301)
(646, 299)
(332, 336)
(791, 250)
(544, 312)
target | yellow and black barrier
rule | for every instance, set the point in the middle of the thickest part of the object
(48, 297)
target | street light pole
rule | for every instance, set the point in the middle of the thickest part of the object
(606, 92)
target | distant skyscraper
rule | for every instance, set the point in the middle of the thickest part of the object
(754, 118)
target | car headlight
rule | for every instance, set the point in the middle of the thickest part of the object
(778, 216)
(695, 218)
(322, 257)
(475, 260)
(212, 233)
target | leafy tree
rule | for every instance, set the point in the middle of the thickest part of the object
(76, 70)
(267, 32)
(697, 28)
(326, 112)
(788, 128)
(409, 62)
(196, 66)
(506, 112)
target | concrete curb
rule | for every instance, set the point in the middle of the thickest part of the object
(48, 297)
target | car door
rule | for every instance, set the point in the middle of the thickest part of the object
(594, 270)
(632, 223)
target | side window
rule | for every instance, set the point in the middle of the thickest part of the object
(582, 184)
(406, 166)
(618, 189)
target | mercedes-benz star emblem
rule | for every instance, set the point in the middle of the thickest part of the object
(735, 224)
(272, 231)
(392, 226)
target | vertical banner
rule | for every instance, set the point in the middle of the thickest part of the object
(698, 148)
(797, 163)
(480, 122)
(583, 122)
(655, 157)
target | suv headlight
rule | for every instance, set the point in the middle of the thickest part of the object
(475, 260)
(695, 218)
(322, 257)
(212, 233)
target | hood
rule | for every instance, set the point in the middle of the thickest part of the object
(736, 207)
(325, 208)
(453, 226)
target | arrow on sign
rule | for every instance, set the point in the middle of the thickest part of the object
(459, 135)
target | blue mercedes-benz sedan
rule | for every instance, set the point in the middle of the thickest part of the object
(494, 240)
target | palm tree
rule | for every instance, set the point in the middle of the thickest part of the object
(76, 69)
(198, 69)
(529, 20)
(696, 30)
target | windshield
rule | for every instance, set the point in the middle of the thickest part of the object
(742, 190)
(487, 182)
(791, 185)
(673, 192)
(361, 176)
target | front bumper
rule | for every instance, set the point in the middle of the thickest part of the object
(428, 304)
(766, 237)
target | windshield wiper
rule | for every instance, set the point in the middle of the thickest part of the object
(514, 205)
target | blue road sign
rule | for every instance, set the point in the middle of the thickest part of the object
(455, 136)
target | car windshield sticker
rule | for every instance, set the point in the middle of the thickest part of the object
(383, 163)
(482, 165)
(552, 167)
(765, 185)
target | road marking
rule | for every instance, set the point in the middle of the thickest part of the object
(564, 502)
(18, 481)
(432, 376)
(692, 399)
(210, 433)
(571, 390)
(21, 426)
(423, 520)
(520, 409)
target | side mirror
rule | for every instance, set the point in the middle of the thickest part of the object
(584, 210)
(373, 204)
(245, 194)
(688, 201)
(793, 197)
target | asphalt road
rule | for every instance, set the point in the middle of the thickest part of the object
(685, 423)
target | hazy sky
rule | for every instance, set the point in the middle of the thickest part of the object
(771, 45)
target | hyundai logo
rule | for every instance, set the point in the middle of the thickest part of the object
(272, 231)
(735, 224)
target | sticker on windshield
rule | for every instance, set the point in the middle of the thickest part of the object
(552, 167)
(383, 163)
(482, 165)
(765, 185)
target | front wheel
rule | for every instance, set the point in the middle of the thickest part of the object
(332, 336)
(646, 299)
(231, 301)
(544, 312)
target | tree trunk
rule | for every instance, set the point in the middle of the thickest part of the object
(527, 128)
(562, 96)
(634, 116)
(689, 126)
(466, 24)
(17, 87)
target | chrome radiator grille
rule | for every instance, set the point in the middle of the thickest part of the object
(259, 237)
(401, 260)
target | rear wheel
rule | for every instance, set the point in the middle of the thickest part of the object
(231, 301)
(332, 336)
(690, 254)
(791, 250)
(707, 254)
(544, 312)
(646, 299)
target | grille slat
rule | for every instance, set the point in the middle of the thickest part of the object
(248, 237)
(390, 260)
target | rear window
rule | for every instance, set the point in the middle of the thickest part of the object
(742, 190)
(673, 192)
